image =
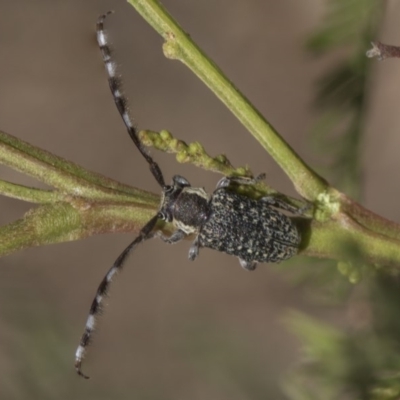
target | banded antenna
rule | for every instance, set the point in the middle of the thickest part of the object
(145, 233)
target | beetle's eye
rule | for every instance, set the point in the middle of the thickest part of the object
(162, 216)
(180, 181)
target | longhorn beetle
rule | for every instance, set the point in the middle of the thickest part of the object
(224, 221)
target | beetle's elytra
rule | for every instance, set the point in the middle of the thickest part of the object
(229, 222)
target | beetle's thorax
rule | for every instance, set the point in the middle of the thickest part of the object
(185, 206)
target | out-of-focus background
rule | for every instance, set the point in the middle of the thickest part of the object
(173, 329)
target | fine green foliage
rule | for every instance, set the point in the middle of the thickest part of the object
(342, 91)
(362, 360)
(359, 362)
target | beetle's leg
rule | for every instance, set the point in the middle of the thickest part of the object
(176, 237)
(227, 180)
(271, 200)
(194, 249)
(283, 205)
(248, 265)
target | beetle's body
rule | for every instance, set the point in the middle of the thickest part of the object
(224, 221)
(249, 229)
(229, 222)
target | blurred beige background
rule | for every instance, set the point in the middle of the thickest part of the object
(173, 329)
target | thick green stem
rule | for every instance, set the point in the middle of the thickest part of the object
(78, 219)
(344, 239)
(368, 219)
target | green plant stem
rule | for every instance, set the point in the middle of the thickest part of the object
(193, 153)
(368, 219)
(60, 173)
(78, 219)
(63, 222)
(342, 238)
(29, 194)
(178, 45)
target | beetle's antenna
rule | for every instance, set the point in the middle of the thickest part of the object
(146, 232)
(116, 89)
(95, 309)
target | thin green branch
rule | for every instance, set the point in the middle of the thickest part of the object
(178, 45)
(29, 194)
(61, 174)
(195, 154)
(63, 222)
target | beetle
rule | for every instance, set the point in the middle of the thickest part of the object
(224, 221)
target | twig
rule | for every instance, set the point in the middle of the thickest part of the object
(383, 51)
(32, 195)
